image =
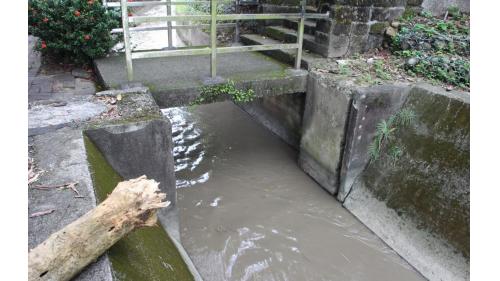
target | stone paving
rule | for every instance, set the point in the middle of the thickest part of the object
(54, 82)
(58, 95)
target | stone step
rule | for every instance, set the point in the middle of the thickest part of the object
(288, 35)
(309, 25)
(285, 56)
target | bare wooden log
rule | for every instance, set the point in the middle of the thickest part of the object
(64, 254)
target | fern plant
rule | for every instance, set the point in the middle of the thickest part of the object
(384, 135)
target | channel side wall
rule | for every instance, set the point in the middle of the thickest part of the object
(416, 200)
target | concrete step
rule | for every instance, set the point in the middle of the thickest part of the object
(309, 25)
(288, 35)
(285, 56)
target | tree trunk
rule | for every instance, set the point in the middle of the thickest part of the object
(64, 254)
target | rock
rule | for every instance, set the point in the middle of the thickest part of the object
(391, 31)
(395, 24)
(342, 62)
(80, 73)
(438, 44)
(370, 61)
(412, 61)
(426, 46)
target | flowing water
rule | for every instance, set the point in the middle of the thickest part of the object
(247, 211)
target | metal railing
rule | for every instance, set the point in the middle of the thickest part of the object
(211, 50)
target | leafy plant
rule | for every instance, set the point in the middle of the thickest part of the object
(380, 71)
(454, 11)
(440, 48)
(384, 134)
(72, 30)
(211, 93)
(344, 69)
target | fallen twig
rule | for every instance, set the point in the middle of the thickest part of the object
(70, 185)
(42, 213)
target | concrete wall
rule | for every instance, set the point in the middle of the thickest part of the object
(439, 7)
(142, 148)
(418, 202)
(282, 115)
(323, 130)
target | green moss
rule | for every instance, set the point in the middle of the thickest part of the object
(430, 183)
(378, 27)
(145, 254)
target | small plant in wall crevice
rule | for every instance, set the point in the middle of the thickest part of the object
(384, 136)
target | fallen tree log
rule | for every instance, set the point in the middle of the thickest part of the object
(64, 254)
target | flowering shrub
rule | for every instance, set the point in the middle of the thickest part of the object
(72, 30)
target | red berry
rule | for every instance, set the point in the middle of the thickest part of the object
(86, 37)
(130, 14)
(43, 45)
(45, 20)
(77, 13)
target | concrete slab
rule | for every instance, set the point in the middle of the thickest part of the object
(177, 81)
(45, 118)
(61, 154)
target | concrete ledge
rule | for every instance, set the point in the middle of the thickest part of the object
(61, 154)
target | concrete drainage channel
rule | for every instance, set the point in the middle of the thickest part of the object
(140, 143)
(416, 200)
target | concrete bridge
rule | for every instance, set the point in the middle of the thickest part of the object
(176, 81)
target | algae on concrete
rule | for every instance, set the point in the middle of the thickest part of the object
(145, 254)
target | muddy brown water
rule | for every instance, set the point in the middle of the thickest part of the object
(248, 212)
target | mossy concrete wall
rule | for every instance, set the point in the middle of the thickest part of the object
(280, 114)
(323, 130)
(418, 202)
(439, 7)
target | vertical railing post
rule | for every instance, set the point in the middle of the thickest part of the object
(213, 39)
(300, 34)
(169, 24)
(126, 41)
(237, 28)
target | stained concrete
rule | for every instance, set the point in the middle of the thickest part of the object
(61, 154)
(419, 202)
(48, 117)
(177, 81)
(281, 115)
(323, 130)
(439, 7)
(139, 148)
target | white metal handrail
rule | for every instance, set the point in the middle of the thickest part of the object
(213, 50)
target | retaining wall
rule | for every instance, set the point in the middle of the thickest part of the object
(416, 200)
(281, 115)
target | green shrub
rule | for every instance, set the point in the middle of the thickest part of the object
(72, 30)
(440, 48)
